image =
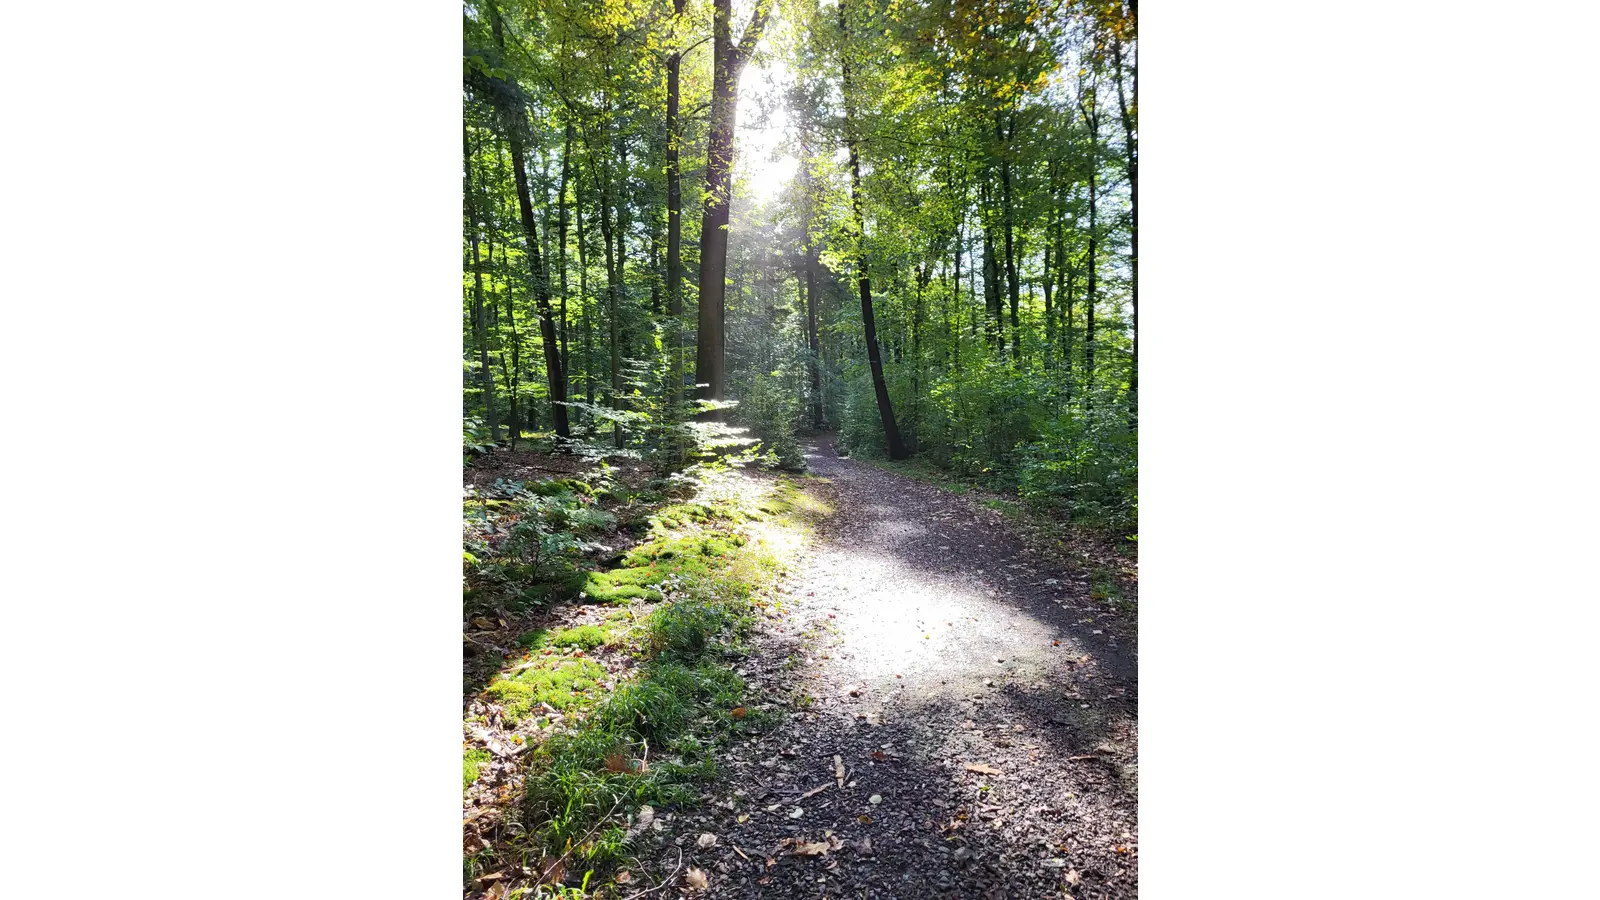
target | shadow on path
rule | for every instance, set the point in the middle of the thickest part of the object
(927, 641)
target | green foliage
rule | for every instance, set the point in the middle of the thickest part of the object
(773, 414)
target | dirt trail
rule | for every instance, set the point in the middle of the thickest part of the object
(930, 640)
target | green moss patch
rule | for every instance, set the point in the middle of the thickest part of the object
(470, 762)
(586, 637)
(561, 682)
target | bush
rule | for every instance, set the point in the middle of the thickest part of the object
(773, 414)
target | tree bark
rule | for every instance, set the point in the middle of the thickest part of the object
(891, 433)
(556, 378)
(1092, 119)
(1013, 288)
(562, 220)
(480, 325)
(1131, 145)
(728, 61)
(675, 219)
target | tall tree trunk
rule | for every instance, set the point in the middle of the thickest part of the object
(1013, 289)
(480, 324)
(675, 219)
(621, 195)
(613, 291)
(583, 297)
(891, 433)
(994, 322)
(1131, 145)
(562, 221)
(515, 121)
(1092, 119)
(813, 338)
(955, 336)
(728, 61)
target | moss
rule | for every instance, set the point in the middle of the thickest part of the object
(559, 681)
(470, 762)
(558, 486)
(586, 637)
(622, 585)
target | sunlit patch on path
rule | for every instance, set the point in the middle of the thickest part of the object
(981, 707)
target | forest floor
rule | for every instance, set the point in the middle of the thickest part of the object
(963, 716)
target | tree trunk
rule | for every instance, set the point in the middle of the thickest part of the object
(480, 325)
(1131, 146)
(812, 338)
(541, 286)
(728, 61)
(891, 433)
(675, 220)
(613, 290)
(583, 297)
(1092, 119)
(1013, 289)
(566, 171)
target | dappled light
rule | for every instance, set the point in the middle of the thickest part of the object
(800, 439)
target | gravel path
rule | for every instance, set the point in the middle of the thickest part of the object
(930, 642)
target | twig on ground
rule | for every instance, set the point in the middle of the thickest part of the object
(664, 883)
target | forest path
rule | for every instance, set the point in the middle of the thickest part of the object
(930, 641)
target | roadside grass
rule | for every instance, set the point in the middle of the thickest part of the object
(693, 590)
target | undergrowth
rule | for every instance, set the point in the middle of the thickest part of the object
(693, 588)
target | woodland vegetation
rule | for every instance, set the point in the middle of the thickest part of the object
(945, 278)
(949, 275)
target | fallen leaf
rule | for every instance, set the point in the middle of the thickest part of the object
(1073, 877)
(552, 870)
(796, 813)
(624, 877)
(738, 712)
(838, 769)
(706, 839)
(982, 769)
(810, 848)
(696, 879)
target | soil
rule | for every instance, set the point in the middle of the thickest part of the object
(983, 709)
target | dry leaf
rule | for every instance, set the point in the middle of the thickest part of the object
(1073, 877)
(706, 839)
(696, 879)
(811, 848)
(838, 769)
(982, 769)
(738, 712)
(552, 870)
(624, 877)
